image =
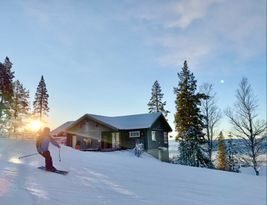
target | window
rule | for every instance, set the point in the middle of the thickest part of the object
(134, 134)
(153, 135)
(166, 137)
(115, 140)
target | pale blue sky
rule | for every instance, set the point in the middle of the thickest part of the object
(103, 56)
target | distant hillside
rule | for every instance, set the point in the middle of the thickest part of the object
(239, 145)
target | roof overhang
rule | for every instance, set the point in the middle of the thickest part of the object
(87, 116)
(164, 119)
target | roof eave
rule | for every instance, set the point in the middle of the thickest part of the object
(92, 118)
(161, 115)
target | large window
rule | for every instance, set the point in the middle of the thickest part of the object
(134, 134)
(115, 140)
(153, 135)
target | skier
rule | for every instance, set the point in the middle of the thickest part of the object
(42, 145)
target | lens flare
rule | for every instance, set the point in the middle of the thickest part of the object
(35, 125)
(14, 160)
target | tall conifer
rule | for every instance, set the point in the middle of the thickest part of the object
(40, 104)
(155, 103)
(6, 91)
(188, 121)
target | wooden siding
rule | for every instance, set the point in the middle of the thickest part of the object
(88, 133)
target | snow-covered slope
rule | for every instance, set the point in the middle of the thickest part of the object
(117, 178)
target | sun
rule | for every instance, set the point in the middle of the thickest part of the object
(35, 125)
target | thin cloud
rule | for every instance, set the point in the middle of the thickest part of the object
(203, 30)
(173, 14)
(187, 11)
(187, 29)
(180, 48)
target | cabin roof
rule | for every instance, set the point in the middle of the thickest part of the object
(139, 121)
(127, 122)
(61, 128)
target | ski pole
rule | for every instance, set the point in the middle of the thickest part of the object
(59, 154)
(29, 155)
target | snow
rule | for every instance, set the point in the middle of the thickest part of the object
(129, 121)
(250, 170)
(117, 178)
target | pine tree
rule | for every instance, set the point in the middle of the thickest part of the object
(40, 104)
(188, 121)
(155, 103)
(6, 79)
(221, 156)
(6, 90)
(19, 106)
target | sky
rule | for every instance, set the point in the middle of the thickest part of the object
(102, 57)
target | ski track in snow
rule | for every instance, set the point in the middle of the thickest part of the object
(117, 178)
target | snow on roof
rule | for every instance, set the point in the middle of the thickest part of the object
(61, 128)
(127, 122)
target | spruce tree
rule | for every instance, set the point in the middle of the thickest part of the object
(6, 79)
(19, 106)
(221, 155)
(40, 104)
(155, 103)
(188, 121)
(6, 90)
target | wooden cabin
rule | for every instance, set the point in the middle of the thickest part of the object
(103, 133)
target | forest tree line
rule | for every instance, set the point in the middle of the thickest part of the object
(15, 110)
(197, 115)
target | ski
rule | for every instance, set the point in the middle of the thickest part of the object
(62, 172)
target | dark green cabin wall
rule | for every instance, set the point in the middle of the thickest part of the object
(160, 127)
(125, 141)
(153, 146)
(159, 139)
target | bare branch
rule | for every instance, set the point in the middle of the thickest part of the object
(211, 113)
(244, 121)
